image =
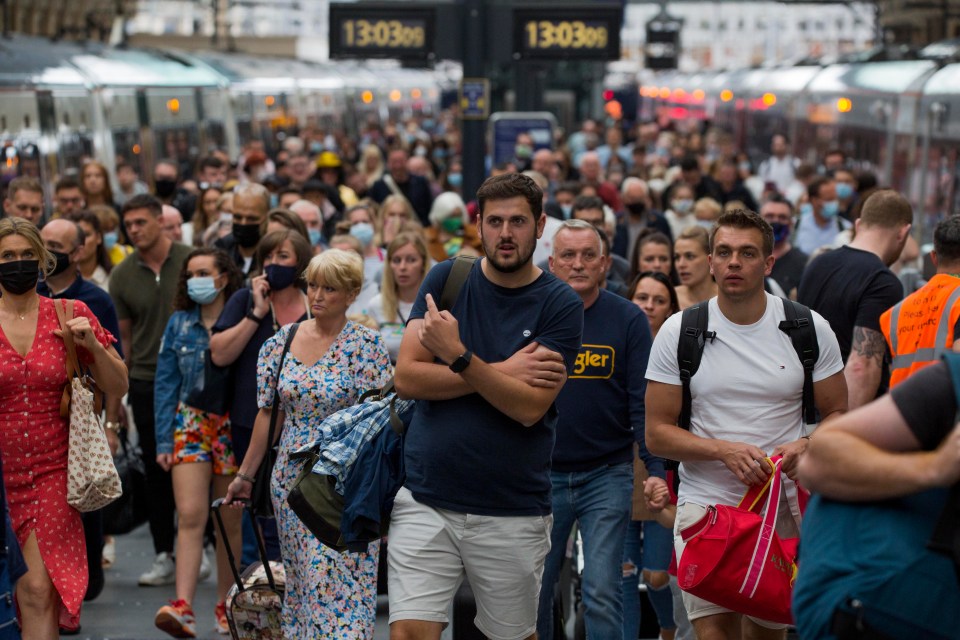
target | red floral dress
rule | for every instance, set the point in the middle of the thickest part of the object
(33, 442)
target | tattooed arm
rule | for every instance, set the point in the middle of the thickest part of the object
(864, 366)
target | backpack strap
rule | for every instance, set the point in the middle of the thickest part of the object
(455, 279)
(803, 334)
(693, 337)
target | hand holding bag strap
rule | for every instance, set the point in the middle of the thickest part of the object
(64, 315)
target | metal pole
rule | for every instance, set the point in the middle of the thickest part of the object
(472, 131)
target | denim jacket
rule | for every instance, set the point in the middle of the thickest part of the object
(179, 364)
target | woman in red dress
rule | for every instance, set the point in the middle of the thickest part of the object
(33, 436)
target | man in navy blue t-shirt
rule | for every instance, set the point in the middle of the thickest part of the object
(476, 500)
(601, 414)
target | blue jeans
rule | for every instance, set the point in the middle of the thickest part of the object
(599, 501)
(648, 546)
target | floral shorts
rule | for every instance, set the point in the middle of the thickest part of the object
(199, 436)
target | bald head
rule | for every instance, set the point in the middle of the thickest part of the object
(542, 161)
(61, 235)
(590, 166)
(171, 222)
(634, 191)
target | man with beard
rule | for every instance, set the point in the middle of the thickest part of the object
(251, 201)
(476, 500)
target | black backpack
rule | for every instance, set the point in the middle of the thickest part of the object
(694, 335)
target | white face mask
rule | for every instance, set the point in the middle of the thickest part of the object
(682, 206)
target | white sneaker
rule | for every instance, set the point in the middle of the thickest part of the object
(161, 573)
(206, 567)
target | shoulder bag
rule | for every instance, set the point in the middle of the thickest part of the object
(734, 557)
(92, 478)
(260, 497)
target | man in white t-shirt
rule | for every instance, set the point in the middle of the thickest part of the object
(746, 400)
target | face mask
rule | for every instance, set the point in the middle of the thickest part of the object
(745, 167)
(637, 208)
(567, 211)
(315, 236)
(274, 200)
(316, 147)
(246, 235)
(844, 190)
(706, 224)
(682, 206)
(455, 179)
(363, 231)
(280, 277)
(110, 239)
(806, 209)
(439, 154)
(452, 224)
(202, 289)
(420, 151)
(63, 263)
(523, 151)
(165, 187)
(19, 276)
(780, 231)
(830, 209)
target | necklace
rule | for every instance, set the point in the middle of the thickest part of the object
(22, 316)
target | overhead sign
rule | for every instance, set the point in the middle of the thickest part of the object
(474, 98)
(564, 32)
(360, 30)
(662, 49)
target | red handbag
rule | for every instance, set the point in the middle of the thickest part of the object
(735, 559)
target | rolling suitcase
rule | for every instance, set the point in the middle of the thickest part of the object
(254, 603)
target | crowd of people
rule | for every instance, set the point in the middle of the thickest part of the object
(213, 299)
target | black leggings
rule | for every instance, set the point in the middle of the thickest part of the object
(159, 494)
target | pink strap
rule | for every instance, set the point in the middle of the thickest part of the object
(767, 529)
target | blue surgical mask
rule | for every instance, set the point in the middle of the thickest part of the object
(706, 224)
(455, 179)
(274, 200)
(806, 209)
(567, 211)
(202, 289)
(315, 236)
(316, 147)
(110, 239)
(844, 190)
(363, 231)
(830, 209)
(682, 207)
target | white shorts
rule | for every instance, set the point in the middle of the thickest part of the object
(689, 513)
(431, 550)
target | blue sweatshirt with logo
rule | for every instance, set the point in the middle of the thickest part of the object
(601, 406)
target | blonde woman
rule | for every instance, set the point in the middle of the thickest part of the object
(407, 264)
(395, 213)
(371, 164)
(691, 254)
(331, 362)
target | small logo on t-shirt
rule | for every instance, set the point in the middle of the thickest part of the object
(527, 333)
(594, 361)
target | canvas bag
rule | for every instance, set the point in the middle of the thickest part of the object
(92, 478)
(735, 559)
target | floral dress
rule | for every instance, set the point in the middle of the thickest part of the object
(33, 439)
(328, 594)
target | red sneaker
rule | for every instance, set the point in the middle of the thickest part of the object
(177, 619)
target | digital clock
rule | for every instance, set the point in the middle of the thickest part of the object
(551, 33)
(378, 31)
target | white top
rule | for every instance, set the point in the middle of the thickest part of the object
(391, 329)
(679, 222)
(778, 171)
(749, 388)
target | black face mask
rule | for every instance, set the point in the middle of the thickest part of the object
(165, 187)
(246, 235)
(19, 276)
(637, 208)
(63, 263)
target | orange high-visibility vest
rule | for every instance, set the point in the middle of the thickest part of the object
(919, 329)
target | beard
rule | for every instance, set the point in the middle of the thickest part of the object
(523, 255)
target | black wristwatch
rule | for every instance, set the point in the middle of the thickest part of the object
(462, 362)
(252, 316)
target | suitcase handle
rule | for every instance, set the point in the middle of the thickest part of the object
(261, 545)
